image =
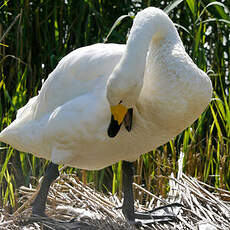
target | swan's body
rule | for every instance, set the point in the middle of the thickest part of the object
(67, 122)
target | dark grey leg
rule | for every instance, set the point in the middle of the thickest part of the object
(40, 201)
(128, 204)
(38, 209)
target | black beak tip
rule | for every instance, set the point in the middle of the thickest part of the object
(111, 133)
(113, 128)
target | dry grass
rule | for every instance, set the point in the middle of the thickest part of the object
(73, 205)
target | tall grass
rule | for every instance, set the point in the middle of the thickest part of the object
(34, 35)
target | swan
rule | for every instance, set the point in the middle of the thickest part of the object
(109, 102)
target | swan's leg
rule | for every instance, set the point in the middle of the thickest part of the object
(128, 205)
(40, 201)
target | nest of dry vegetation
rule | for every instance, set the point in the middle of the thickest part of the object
(73, 205)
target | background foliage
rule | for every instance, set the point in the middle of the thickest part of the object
(34, 35)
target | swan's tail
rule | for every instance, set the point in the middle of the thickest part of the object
(26, 135)
(10, 136)
(16, 134)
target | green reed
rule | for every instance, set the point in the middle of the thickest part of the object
(39, 33)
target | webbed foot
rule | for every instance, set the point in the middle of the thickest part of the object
(160, 214)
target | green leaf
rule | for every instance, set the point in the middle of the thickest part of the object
(218, 6)
(116, 23)
(1, 44)
(197, 39)
(191, 5)
(172, 5)
(182, 27)
(215, 20)
(4, 166)
(219, 132)
(4, 4)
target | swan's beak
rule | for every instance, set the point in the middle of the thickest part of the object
(119, 113)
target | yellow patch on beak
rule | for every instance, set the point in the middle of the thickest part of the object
(118, 112)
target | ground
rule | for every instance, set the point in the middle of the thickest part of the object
(73, 205)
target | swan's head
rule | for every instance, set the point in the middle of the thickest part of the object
(123, 90)
(125, 82)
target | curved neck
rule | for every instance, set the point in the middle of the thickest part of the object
(126, 81)
(151, 24)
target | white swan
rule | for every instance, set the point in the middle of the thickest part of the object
(152, 74)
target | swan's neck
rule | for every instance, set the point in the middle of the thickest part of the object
(126, 81)
(149, 25)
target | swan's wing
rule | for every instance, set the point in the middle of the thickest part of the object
(72, 97)
(77, 73)
(27, 109)
(75, 126)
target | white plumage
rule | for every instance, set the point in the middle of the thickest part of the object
(67, 122)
